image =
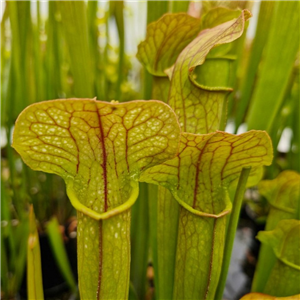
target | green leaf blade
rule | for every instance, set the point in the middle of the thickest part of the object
(34, 268)
(277, 66)
(59, 251)
(75, 28)
(260, 39)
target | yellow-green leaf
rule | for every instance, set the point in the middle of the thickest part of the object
(213, 79)
(200, 112)
(214, 17)
(283, 195)
(216, 158)
(198, 179)
(160, 88)
(165, 39)
(99, 149)
(285, 275)
(218, 15)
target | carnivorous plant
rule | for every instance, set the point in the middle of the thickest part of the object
(99, 149)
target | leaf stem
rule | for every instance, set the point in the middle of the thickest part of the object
(117, 8)
(233, 222)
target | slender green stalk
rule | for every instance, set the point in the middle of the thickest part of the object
(6, 234)
(38, 62)
(53, 55)
(117, 10)
(262, 30)
(233, 222)
(140, 242)
(75, 27)
(153, 232)
(14, 98)
(277, 66)
(60, 254)
(168, 211)
(4, 270)
(34, 268)
(223, 119)
(179, 6)
(20, 262)
(92, 10)
(155, 9)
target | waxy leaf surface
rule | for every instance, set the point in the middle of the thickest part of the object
(205, 162)
(285, 241)
(93, 143)
(160, 88)
(165, 39)
(200, 112)
(218, 15)
(198, 179)
(283, 195)
(99, 149)
(213, 78)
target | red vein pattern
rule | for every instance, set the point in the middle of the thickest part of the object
(165, 39)
(200, 111)
(99, 147)
(209, 164)
(95, 143)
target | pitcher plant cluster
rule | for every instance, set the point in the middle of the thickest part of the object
(197, 173)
